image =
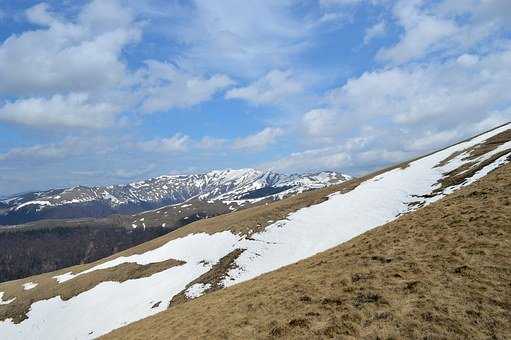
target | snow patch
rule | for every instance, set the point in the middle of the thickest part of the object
(64, 277)
(111, 305)
(197, 290)
(29, 285)
(302, 234)
(2, 302)
(41, 204)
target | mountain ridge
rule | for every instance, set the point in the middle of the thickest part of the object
(225, 250)
(227, 185)
(439, 272)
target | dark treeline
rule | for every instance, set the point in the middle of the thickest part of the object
(30, 252)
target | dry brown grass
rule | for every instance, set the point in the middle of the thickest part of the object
(442, 272)
(491, 144)
(467, 170)
(213, 277)
(245, 221)
(46, 287)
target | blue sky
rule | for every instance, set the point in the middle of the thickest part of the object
(100, 92)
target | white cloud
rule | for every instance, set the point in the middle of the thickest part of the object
(40, 15)
(208, 143)
(485, 16)
(330, 3)
(446, 27)
(176, 143)
(433, 139)
(382, 156)
(71, 146)
(164, 86)
(270, 89)
(73, 110)
(131, 172)
(69, 72)
(72, 71)
(412, 109)
(258, 140)
(438, 94)
(109, 16)
(422, 32)
(311, 160)
(246, 38)
(375, 31)
(445, 78)
(64, 56)
(468, 60)
(326, 122)
(34, 152)
(354, 156)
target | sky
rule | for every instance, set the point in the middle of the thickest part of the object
(111, 91)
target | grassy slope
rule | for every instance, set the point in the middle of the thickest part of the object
(242, 221)
(441, 272)
(48, 245)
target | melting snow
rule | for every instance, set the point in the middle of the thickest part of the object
(29, 285)
(197, 290)
(64, 277)
(107, 196)
(111, 305)
(39, 203)
(2, 302)
(303, 233)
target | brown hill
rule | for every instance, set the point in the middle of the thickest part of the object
(45, 308)
(241, 221)
(443, 271)
(46, 245)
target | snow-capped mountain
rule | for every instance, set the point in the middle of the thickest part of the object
(87, 301)
(99, 201)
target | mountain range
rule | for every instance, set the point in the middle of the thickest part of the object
(231, 187)
(218, 264)
(58, 228)
(440, 272)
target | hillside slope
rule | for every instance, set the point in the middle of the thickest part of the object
(440, 272)
(90, 300)
(50, 244)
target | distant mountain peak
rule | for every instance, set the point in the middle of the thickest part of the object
(221, 185)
